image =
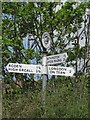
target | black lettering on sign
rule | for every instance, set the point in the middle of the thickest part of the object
(60, 72)
(13, 69)
(38, 69)
(13, 66)
(62, 69)
(20, 66)
(57, 60)
(64, 56)
(63, 72)
(63, 59)
(51, 61)
(19, 69)
(9, 65)
(52, 72)
(25, 70)
(54, 68)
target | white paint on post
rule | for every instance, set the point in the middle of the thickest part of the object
(44, 77)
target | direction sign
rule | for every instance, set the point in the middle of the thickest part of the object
(56, 59)
(63, 71)
(24, 68)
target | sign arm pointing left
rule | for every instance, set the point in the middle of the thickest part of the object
(24, 68)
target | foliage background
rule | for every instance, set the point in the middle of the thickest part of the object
(67, 97)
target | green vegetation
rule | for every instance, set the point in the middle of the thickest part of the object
(65, 98)
(23, 24)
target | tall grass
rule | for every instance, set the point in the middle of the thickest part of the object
(65, 98)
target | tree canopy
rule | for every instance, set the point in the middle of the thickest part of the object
(65, 23)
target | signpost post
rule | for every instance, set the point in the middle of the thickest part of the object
(44, 77)
(46, 40)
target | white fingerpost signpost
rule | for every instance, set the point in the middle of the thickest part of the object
(44, 69)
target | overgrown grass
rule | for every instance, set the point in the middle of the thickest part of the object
(65, 98)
